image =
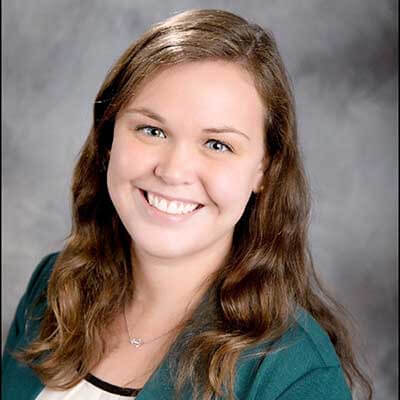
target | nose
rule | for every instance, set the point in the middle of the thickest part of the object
(176, 166)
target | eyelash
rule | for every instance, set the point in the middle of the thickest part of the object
(144, 128)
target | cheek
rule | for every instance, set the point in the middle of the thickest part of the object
(229, 188)
(128, 161)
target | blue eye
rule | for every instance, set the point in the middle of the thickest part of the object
(152, 131)
(218, 146)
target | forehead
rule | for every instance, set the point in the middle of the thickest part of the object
(206, 91)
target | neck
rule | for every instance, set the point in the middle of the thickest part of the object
(174, 285)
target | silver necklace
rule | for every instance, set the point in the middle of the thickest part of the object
(138, 342)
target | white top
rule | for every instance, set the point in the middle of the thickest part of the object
(91, 388)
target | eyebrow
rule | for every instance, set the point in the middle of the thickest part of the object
(147, 113)
(151, 114)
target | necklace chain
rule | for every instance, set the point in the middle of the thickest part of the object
(138, 342)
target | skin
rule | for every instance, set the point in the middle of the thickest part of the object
(180, 157)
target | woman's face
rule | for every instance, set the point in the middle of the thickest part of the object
(186, 155)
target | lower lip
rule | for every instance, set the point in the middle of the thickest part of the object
(156, 213)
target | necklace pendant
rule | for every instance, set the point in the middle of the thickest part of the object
(136, 342)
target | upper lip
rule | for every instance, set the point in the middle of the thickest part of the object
(170, 198)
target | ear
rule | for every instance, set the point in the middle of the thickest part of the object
(259, 176)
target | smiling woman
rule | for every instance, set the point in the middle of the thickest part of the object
(186, 274)
(182, 162)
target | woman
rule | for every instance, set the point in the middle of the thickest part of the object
(186, 274)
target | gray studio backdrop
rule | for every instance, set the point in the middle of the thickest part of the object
(342, 57)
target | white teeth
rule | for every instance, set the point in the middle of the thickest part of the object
(163, 205)
(170, 207)
(173, 208)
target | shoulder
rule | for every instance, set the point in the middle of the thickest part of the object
(307, 341)
(40, 277)
(29, 303)
(23, 329)
(303, 357)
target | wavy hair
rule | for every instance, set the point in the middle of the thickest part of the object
(268, 270)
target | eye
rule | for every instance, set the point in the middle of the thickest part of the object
(218, 146)
(152, 131)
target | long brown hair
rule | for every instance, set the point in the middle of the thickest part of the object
(270, 269)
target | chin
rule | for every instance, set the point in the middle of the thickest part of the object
(165, 250)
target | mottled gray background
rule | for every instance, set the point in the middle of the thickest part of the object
(342, 57)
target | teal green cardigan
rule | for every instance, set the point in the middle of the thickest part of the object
(305, 367)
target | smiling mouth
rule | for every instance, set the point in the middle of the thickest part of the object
(174, 207)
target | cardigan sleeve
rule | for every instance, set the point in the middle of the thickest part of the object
(326, 383)
(16, 328)
(37, 282)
